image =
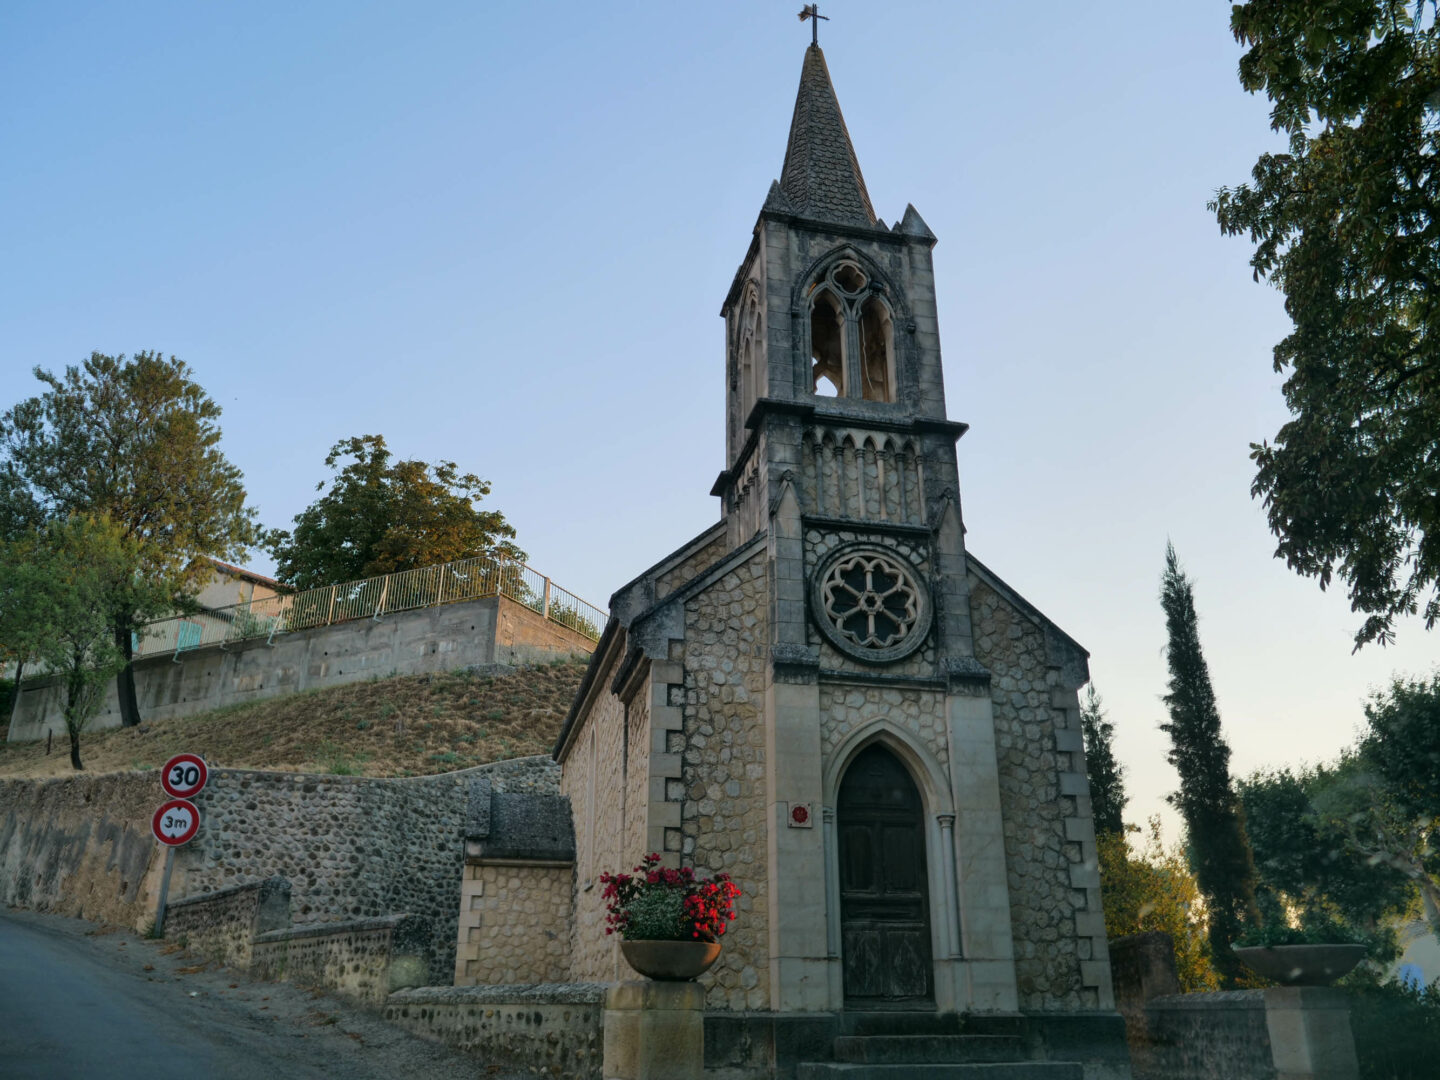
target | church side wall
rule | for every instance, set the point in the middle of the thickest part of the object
(684, 571)
(1044, 902)
(637, 837)
(593, 778)
(724, 819)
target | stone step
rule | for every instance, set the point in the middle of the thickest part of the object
(1009, 1070)
(898, 1022)
(927, 1049)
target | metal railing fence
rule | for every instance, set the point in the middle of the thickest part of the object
(429, 586)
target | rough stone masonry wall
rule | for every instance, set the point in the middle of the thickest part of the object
(724, 819)
(351, 847)
(545, 1030)
(366, 959)
(221, 926)
(81, 846)
(514, 924)
(1043, 901)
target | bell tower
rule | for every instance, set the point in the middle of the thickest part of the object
(834, 380)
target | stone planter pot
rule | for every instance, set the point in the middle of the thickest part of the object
(1301, 965)
(670, 961)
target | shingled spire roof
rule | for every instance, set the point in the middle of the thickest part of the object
(821, 178)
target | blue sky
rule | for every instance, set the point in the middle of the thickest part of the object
(500, 234)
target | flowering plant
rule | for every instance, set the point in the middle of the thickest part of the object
(655, 903)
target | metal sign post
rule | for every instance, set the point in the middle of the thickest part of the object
(177, 821)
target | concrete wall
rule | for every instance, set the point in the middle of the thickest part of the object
(495, 630)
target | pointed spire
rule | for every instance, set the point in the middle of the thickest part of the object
(821, 178)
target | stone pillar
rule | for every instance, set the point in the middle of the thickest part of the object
(1310, 1036)
(654, 1031)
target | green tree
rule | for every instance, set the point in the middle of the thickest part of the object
(1155, 890)
(1344, 222)
(1106, 775)
(1309, 867)
(380, 516)
(1389, 801)
(58, 588)
(1215, 831)
(136, 442)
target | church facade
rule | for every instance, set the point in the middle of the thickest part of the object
(826, 694)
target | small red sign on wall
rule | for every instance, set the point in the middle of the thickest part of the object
(800, 816)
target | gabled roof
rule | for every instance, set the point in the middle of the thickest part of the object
(821, 178)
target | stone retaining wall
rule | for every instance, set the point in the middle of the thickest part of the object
(352, 847)
(547, 1030)
(222, 926)
(81, 846)
(366, 959)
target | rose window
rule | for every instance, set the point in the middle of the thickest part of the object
(870, 600)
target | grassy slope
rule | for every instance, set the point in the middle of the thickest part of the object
(407, 725)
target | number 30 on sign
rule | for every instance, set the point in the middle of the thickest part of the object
(184, 775)
(175, 823)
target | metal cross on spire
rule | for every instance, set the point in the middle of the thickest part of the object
(812, 12)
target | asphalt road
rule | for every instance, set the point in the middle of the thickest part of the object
(78, 1002)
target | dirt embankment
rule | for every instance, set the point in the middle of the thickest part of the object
(409, 725)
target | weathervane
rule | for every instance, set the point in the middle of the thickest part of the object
(812, 12)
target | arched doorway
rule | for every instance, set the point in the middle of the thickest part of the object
(884, 910)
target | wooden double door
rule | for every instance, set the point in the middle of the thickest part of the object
(884, 889)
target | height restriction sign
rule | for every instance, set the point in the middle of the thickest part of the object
(175, 823)
(184, 775)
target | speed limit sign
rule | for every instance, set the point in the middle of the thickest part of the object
(184, 775)
(175, 823)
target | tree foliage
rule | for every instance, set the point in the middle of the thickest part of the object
(135, 442)
(1344, 222)
(1215, 831)
(1107, 777)
(1155, 890)
(1391, 805)
(1310, 869)
(381, 516)
(58, 588)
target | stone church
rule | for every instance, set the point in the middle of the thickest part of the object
(825, 693)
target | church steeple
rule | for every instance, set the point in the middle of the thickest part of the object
(821, 179)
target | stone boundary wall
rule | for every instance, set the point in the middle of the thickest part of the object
(494, 630)
(1203, 1036)
(352, 847)
(553, 1030)
(222, 926)
(514, 923)
(81, 846)
(366, 959)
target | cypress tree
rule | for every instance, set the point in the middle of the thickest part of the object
(1218, 849)
(1107, 777)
